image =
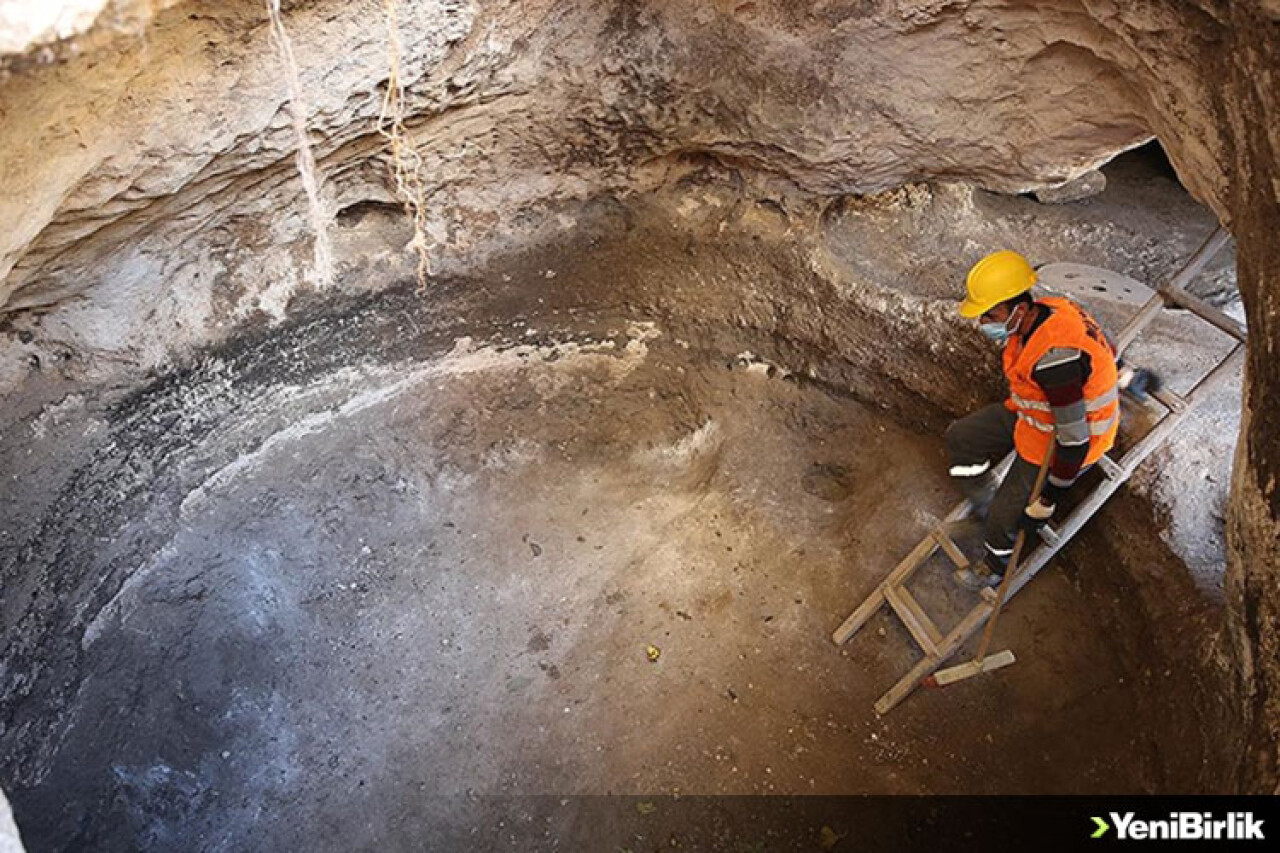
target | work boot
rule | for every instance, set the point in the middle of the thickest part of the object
(978, 577)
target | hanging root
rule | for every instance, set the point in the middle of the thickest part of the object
(406, 163)
(317, 209)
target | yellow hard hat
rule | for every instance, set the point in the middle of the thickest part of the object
(995, 278)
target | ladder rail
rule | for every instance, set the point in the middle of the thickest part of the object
(893, 591)
(976, 617)
(1173, 290)
(1204, 311)
(900, 574)
(1137, 454)
(929, 664)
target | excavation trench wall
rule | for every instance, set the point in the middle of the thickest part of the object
(158, 653)
(162, 224)
(761, 287)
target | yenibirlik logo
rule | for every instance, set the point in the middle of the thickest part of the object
(1182, 826)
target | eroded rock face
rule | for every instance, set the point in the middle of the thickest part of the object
(512, 106)
(153, 177)
(34, 30)
(1085, 186)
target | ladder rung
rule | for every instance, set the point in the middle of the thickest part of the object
(1204, 311)
(913, 616)
(950, 547)
(900, 575)
(1110, 467)
(938, 648)
(1171, 401)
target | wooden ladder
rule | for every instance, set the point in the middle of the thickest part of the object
(937, 646)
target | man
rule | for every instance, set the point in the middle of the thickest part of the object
(1062, 400)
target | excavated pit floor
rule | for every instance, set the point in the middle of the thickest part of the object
(416, 545)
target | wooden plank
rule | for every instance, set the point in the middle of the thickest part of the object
(969, 669)
(911, 619)
(1170, 400)
(1204, 311)
(951, 549)
(1131, 460)
(927, 664)
(909, 601)
(1208, 250)
(903, 571)
(1165, 293)
(1139, 322)
(858, 617)
(900, 575)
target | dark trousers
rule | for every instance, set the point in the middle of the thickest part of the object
(977, 443)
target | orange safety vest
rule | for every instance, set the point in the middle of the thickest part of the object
(1066, 326)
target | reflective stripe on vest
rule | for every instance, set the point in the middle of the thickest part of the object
(1066, 326)
(1095, 427)
(1106, 398)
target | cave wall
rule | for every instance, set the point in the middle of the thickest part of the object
(152, 198)
(1250, 107)
(183, 194)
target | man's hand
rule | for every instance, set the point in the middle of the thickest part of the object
(1037, 514)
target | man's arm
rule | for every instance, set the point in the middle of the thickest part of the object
(1062, 373)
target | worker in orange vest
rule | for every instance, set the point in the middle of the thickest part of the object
(1063, 399)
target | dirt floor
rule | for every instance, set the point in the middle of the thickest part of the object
(416, 546)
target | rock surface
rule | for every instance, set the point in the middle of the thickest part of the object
(153, 201)
(1087, 185)
(512, 106)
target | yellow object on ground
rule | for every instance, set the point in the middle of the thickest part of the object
(653, 653)
(959, 672)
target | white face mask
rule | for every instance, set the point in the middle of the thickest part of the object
(996, 332)
(1001, 332)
